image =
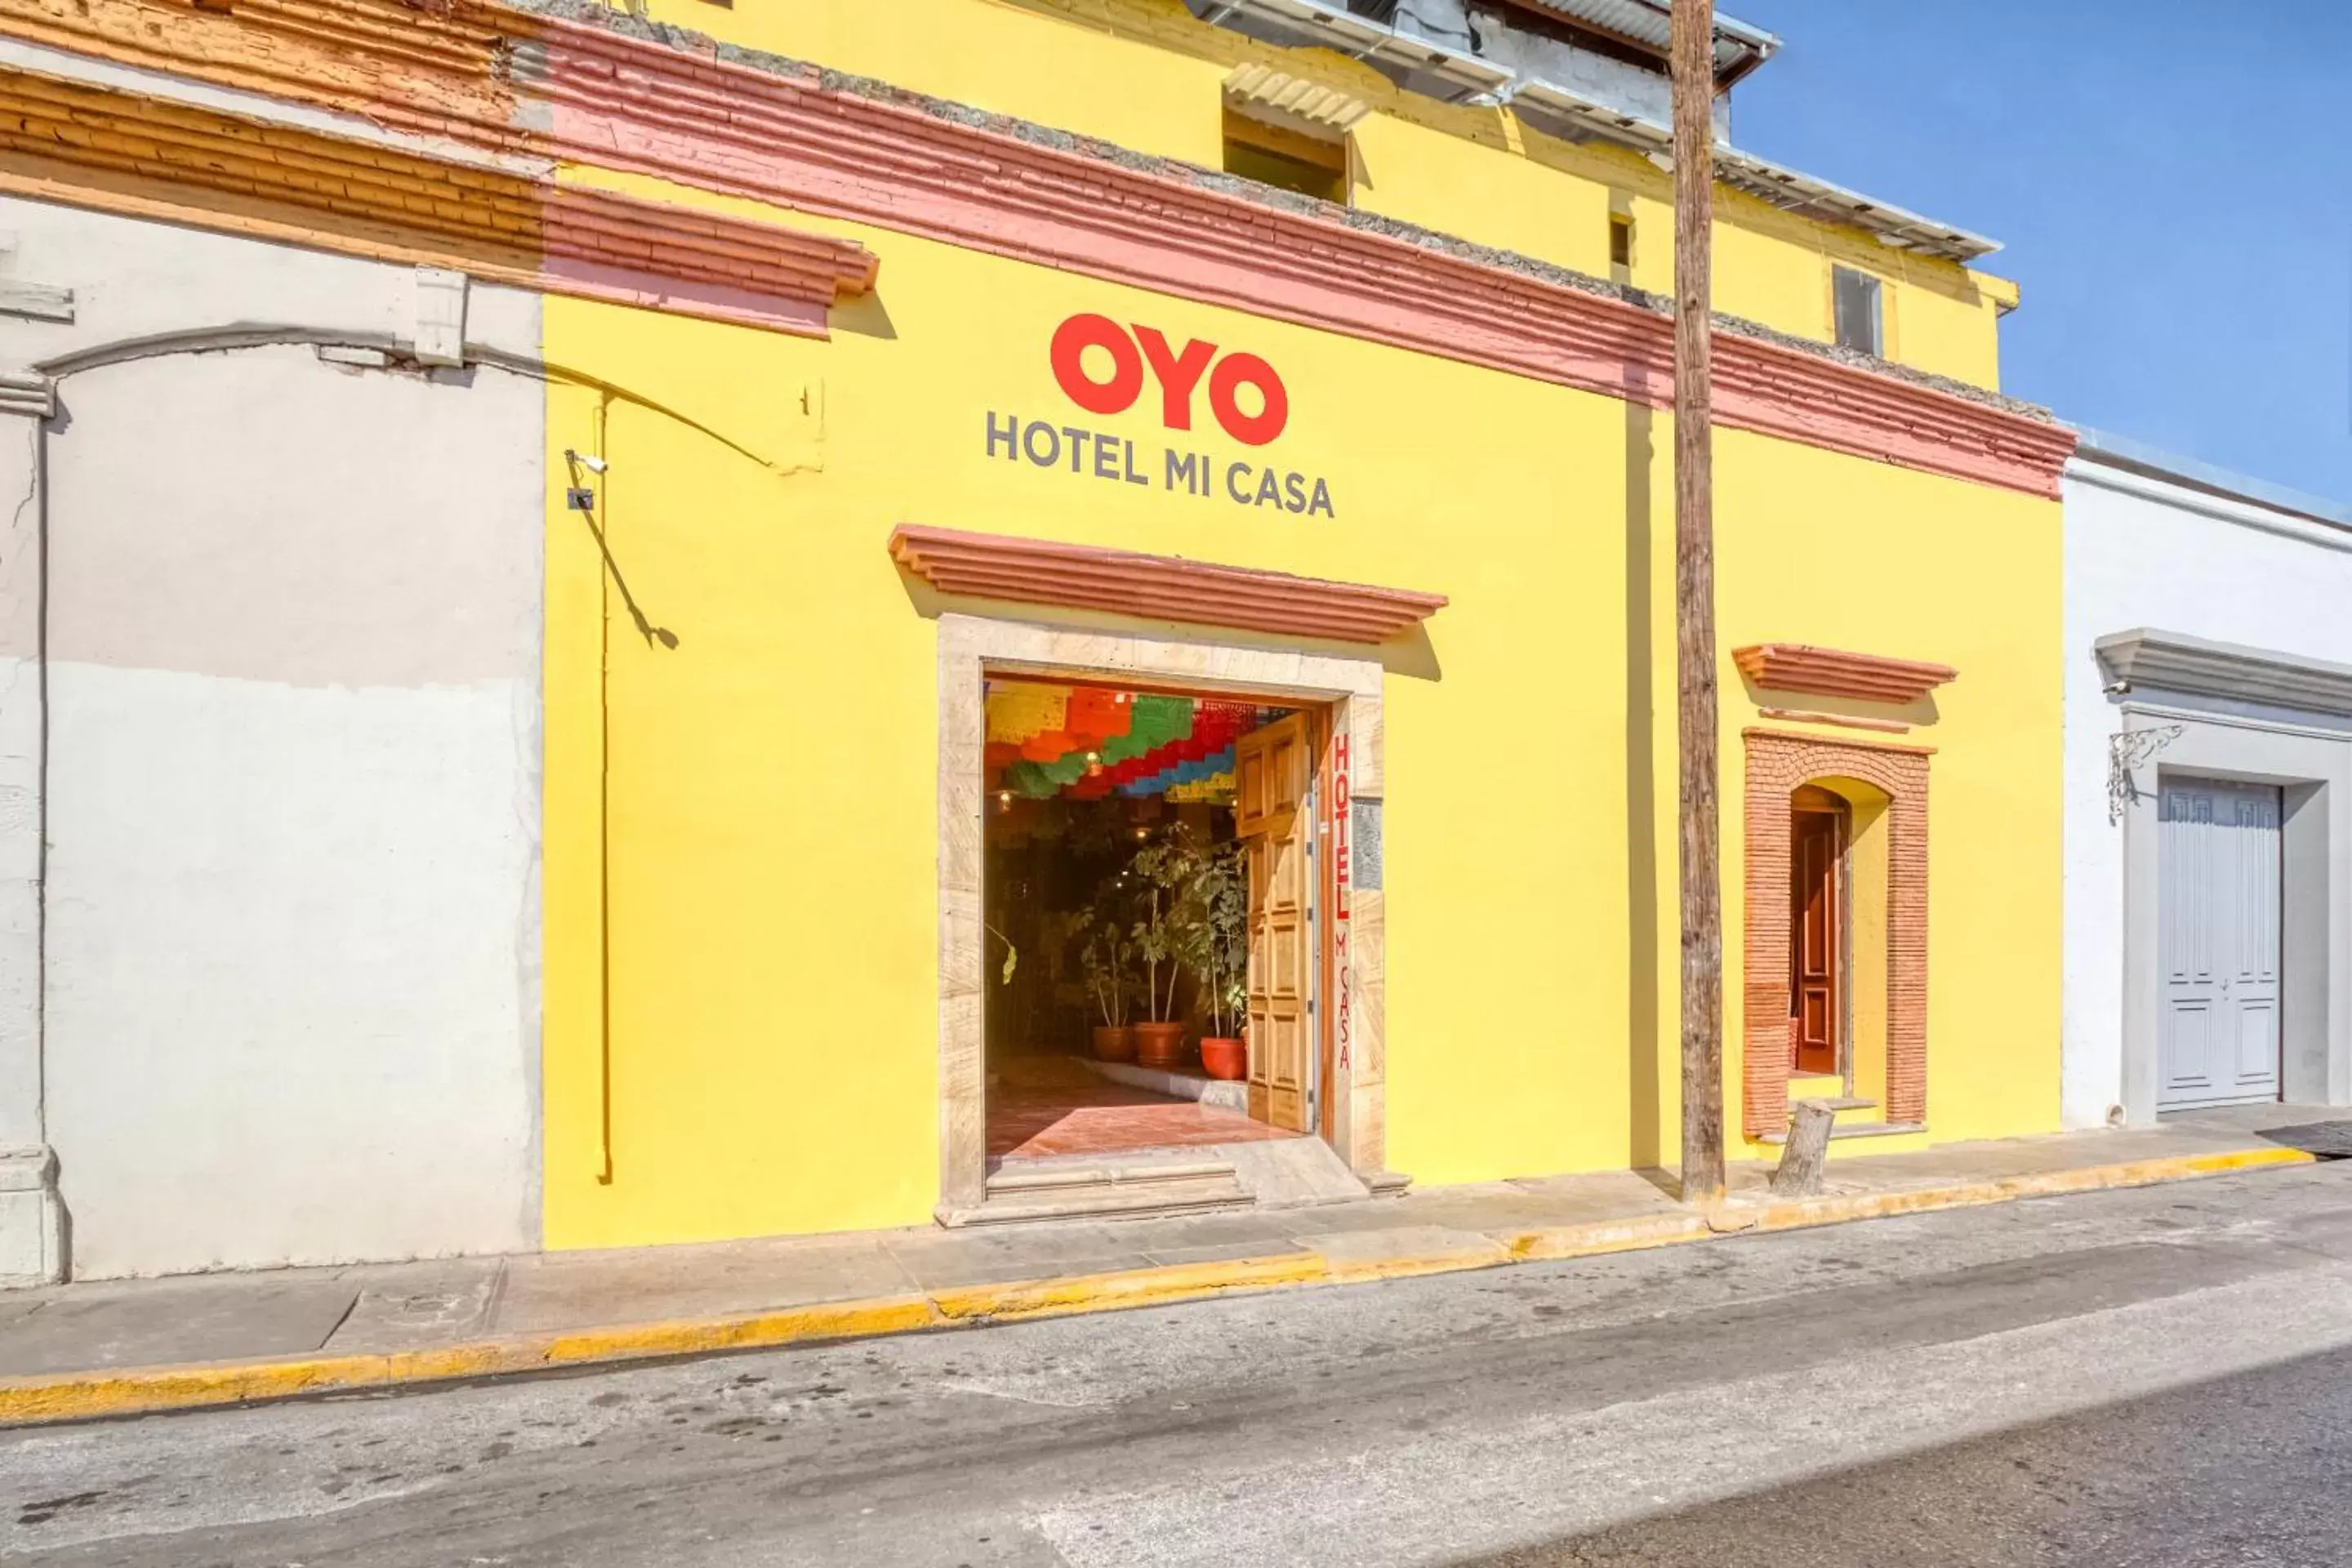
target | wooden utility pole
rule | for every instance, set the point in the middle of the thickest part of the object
(1693, 52)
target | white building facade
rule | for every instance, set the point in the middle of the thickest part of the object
(2207, 669)
(271, 603)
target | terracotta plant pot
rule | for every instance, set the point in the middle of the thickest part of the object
(1159, 1045)
(1114, 1045)
(1227, 1059)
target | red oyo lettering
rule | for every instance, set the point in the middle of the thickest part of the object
(1234, 372)
(1072, 339)
(1177, 373)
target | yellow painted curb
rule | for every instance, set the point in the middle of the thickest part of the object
(1796, 1213)
(80, 1396)
(75, 1396)
(698, 1336)
(1131, 1287)
(1600, 1237)
(1453, 1260)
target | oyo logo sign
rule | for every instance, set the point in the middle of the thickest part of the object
(1178, 375)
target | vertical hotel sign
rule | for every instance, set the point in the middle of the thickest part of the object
(1342, 954)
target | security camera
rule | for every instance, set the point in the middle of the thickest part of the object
(593, 464)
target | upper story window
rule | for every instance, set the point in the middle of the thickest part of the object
(1621, 240)
(1858, 306)
(1274, 155)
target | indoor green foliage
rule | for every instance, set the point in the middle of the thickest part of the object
(1011, 953)
(1161, 866)
(1108, 960)
(1196, 910)
(1108, 954)
(1213, 939)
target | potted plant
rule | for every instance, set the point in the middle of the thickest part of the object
(1163, 868)
(1108, 960)
(1213, 939)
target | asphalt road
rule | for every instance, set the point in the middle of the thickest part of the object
(2154, 1377)
(2250, 1469)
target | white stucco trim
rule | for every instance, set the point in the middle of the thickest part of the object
(29, 396)
(2175, 661)
(32, 1216)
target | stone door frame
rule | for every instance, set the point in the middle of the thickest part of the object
(971, 648)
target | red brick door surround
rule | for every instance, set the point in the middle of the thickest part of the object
(1777, 765)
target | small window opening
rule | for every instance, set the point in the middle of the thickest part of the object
(1288, 160)
(1620, 241)
(1856, 299)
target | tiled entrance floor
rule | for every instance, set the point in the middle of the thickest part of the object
(1040, 1106)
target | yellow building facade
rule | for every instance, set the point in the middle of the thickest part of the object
(787, 545)
(744, 985)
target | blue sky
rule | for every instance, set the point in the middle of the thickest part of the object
(2171, 180)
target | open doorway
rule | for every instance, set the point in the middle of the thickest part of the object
(1150, 906)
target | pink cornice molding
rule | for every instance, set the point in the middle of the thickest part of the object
(579, 83)
(668, 258)
(1156, 587)
(119, 151)
(897, 166)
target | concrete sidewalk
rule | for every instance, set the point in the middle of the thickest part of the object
(79, 1351)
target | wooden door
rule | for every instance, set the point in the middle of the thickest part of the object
(2217, 880)
(1272, 767)
(1816, 933)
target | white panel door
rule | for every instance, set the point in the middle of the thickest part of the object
(2218, 947)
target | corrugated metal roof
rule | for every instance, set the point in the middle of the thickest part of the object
(1801, 193)
(1783, 188)
(1649, 24)
(1331, 21)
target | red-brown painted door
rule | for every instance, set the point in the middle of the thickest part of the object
(1816, 941)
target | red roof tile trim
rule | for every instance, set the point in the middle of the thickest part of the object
(1156, 587)
(1828, 673)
